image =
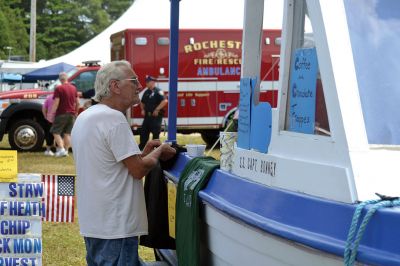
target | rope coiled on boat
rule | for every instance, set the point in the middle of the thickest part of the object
(352, 244)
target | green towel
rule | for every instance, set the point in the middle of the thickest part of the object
(193, 178)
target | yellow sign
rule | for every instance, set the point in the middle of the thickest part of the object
(30, 96)
(213, 44)
(8, 166)
(171, 208)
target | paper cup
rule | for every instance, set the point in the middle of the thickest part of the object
(227, 140)
(195, 150)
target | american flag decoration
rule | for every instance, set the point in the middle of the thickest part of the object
(59, 199)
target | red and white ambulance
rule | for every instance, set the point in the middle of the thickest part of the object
(208, 72)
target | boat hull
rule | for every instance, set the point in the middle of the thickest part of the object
(228, 241)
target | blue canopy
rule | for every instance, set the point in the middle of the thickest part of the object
(6, 77)
(47, 73)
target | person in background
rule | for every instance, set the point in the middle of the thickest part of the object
(65, 106)
(110, 166)
(11, 86)
(49, 116)
(89, 94)
(152, 104)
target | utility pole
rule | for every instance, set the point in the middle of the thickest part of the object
(9, 48)
(32, 42)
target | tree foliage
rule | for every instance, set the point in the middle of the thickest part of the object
(14, 32)
(61, 25)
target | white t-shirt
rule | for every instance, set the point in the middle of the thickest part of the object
(111, 202)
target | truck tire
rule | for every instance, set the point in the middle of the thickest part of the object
(26, 135)
(210, 137)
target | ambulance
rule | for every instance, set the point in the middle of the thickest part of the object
(209, 71)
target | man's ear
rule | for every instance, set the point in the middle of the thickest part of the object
(114, 87)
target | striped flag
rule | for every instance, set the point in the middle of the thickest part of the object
(59, 199)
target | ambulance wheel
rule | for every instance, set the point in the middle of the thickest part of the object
(26, 135)
(210, 137)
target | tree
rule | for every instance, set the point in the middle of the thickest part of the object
(62, 25)
(65, 25)
(59, 29)
(116, 8)
(13, 30)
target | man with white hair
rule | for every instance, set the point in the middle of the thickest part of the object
(110, 168)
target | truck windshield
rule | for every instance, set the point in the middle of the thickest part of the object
(374, 28)
(53, 85)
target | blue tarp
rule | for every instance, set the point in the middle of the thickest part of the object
(6, 77)
(47, 73)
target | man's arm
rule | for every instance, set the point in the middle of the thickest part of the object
(77, 105)
(139, 166)
(56, 103)
(44, 110)
(160, 107)
(162, 104)
(142, 108)
(150, 146)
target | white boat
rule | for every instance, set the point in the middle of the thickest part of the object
(333, 143)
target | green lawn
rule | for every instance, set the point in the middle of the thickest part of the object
(62, 243)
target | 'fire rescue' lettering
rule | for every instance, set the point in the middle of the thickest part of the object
(219, 61)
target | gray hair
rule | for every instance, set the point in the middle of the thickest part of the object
(108, 72)
(63, 76)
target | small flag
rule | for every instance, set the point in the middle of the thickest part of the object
(59, 199)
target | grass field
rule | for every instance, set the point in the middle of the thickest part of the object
(62, 243)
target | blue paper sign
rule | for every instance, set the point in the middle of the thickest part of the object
(302, 91)
(261, 124)
(244, 114)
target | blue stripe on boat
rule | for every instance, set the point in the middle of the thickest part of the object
(312, 221)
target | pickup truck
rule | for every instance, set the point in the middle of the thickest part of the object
(21, 110)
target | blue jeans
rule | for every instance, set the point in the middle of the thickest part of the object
(112, 252)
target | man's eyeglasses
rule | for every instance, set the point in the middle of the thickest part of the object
(134, 81)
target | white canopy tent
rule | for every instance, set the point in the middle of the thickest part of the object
(153, 14)
(17, 67)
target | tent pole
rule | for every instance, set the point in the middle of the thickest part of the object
(173, 71)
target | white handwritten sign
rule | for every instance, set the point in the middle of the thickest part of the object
(21, 211)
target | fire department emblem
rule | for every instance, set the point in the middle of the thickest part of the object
(221, 54)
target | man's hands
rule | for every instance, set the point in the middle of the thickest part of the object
(167, 152)
(140, 165)
(150, 146)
